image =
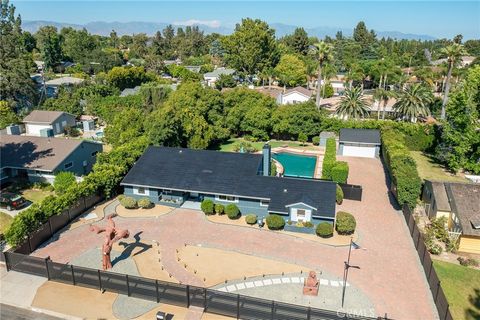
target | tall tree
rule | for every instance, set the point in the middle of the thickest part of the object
(291, 71)
(323, 53)
(453, 53)
(353, 104)
(298, 41)
(48, 42)
(16, 85)
(413, 101)
(252, 47)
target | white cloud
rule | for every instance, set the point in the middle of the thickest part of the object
(191, 22)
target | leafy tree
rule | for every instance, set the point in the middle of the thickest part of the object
(138, 48)
(7, 115)
(163, 128)
(323, 53)
(16, 87)
(453, 53)
(289, 121)
(298, 41)
(126, 125)
(327, 90)
(252, 47)
(381, 96)
(79, 46)
(130, 77)
(362, 35)
(48, 42)
(353, 104)
(302, 137)
(414, 101)
(29, 41)
(291, 71)
(63, 181)
(225, 81)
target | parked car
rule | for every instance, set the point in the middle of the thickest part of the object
(11, 201)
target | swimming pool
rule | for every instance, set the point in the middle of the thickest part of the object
(296, 165)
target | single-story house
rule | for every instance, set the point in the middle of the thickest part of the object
(212, 77)
(38, 122)
(294, 95)
(40, 158)
(130, 91)
(460, 204)
(337, 82)
(171, 176)
(359, 143)
(53, 85)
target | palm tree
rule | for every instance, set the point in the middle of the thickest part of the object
(453, 53)
(381, 96)
(324, 53)
(353, 104)
(413, 101)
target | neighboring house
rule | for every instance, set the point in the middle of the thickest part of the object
(130, 91)
(337, 82)
(464, 61)
(47, 123)
(212, 77)
(40, 158)
(270, 91)
(178, 62)
(173, 175)
(295, 95)
(53, 85)
(359, 143)
(460, 204)
(195, 69)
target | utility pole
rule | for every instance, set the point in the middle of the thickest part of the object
(347, 266)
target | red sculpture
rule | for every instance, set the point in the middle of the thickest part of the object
(310, 286)
(111, 235)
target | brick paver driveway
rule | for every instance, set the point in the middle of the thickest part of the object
(389, 271)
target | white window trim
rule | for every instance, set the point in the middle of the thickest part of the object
(147, 191)
(65, 165)
(217, 197)
(264, 205)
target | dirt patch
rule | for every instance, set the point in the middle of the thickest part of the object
(156, 211)
(75, 301)
(216, 266)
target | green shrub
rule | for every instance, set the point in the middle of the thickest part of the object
(329, 159)
(339, 172)
(302, 137)
(345, 223)
(120, 197)
(244, 146)
(144, 203)
(129, 203)
(273, 169)
(324, 230)
(308, 224)
(232, 211)
(327, 91)
(316, 140)
(339, 195)
(207, 207)
(275, 222)
(434, 248)
(219, 208)
(251, 218)
(63, 180)
(468, 262)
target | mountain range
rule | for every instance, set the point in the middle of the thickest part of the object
(122, 28)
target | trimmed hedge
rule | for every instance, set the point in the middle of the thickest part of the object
(232, 211)
(251, 218)
(275, 222)
(219, 208)
(345, 223)
(339, 172)
(316, 140)
(402, 167)
(144, 203)
(339, 195)
(329, 159)
(129, 202)
(324, 230)
(207, 207)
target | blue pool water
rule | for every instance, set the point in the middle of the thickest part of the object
(296, 165)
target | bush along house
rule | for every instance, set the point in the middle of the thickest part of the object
(171, 176)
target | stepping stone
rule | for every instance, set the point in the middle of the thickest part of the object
(267, 282)
(240, 286)
(249, 284)
(295, 280)
(231, 288)
(286, 280)
(324, 282)
(276, 281)
(258, 283)
(334, 283)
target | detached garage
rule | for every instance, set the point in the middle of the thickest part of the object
(359, 143)
(40, 120)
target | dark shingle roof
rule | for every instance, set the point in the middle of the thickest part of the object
(370, 136)
(226, 173)
(441, 197)
(465, 202)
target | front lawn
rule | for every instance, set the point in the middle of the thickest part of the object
(229, 145)
(462, 289)
(35, 195)
(430, 170)
(5, 221)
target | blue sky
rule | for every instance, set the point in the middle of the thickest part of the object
(436, 18)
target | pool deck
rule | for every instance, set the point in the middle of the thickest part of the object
(317, 153)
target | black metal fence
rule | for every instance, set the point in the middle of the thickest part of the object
(433, 281)
(57, 222)
(212, 301)
(351, 191)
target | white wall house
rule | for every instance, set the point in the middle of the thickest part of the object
(295, 95)
(212, 77)
(39, 120)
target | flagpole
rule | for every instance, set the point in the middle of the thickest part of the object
(345, 271)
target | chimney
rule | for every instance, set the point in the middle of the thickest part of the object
(267, 158)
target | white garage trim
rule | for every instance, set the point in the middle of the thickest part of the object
(365, 152)
(34, 129)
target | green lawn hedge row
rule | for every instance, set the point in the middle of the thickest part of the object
(329, 159)
(339, 172)
(107, 173)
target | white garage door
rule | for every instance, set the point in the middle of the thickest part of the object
(34, 129)
(366, 152)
